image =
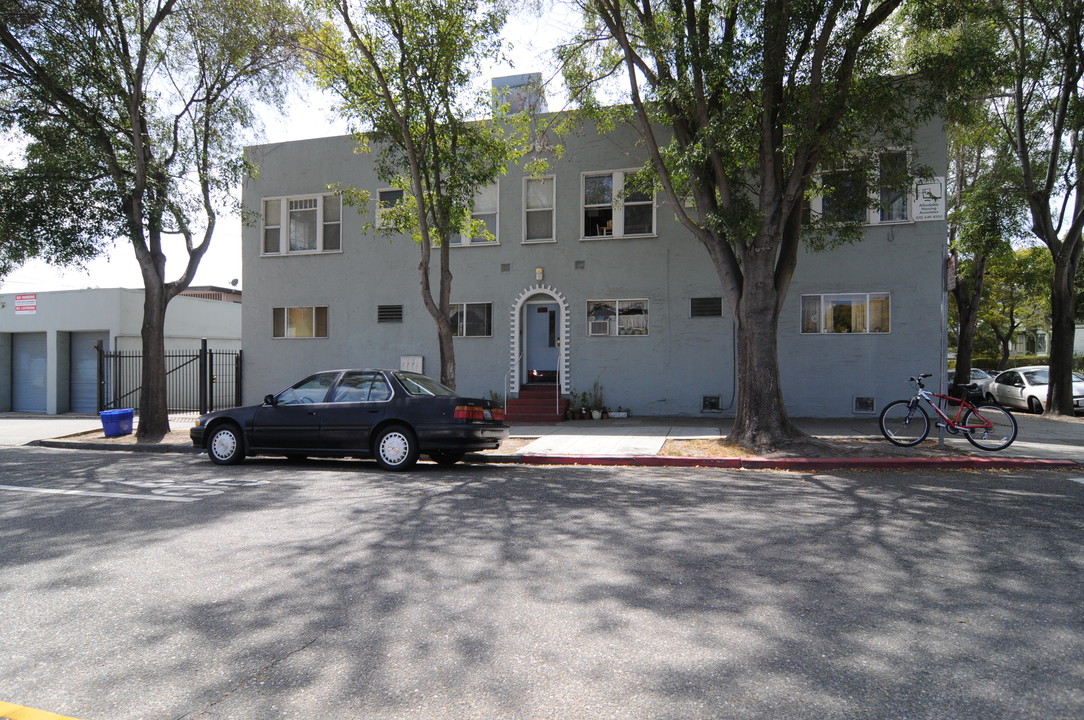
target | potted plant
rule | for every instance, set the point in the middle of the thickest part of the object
(620, 412)
(594, 399)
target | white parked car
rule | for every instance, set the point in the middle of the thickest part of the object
(1026, 388)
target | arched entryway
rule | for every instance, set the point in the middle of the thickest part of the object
(540, 339)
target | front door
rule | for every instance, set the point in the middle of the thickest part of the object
(543, 339)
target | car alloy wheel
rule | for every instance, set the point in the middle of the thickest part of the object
(396, 448)
(226, 446)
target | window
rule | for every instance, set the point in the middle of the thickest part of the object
(538, 209)
(485, 211)
(471, 319)
(706, 307)
(299, 322)
(895, 187)
(845, 196)
(386, 200)
(313, 224)
(310, 390)
(617, 317)
(362, 387)
(846, 313)
(613, 207)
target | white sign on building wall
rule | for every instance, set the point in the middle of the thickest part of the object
(26, 304)
(930, 200)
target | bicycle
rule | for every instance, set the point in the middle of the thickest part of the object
(906, 423)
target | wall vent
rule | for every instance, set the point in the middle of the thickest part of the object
(389, 313)
(865, 405)
(506, 267)
(710, 404)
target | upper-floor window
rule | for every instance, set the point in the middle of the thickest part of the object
(485, 212)
(385, 201)
(614, 207)
(846, 313)
(299, 322)
(617, 317)
(538, 206)
(302, 224)
(847, 196)
(895, 187)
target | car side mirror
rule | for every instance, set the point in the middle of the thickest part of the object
(269, 400)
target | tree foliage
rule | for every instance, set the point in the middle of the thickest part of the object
(740, 104)
(404, 71)
(132, 114)
(1041, 116)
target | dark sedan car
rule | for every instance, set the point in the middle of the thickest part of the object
(389, 415)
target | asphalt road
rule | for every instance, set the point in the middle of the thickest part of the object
(164, 587)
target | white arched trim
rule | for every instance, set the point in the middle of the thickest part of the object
(516, 341)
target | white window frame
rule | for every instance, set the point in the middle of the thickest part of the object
(328, 214)
(381, 210)
(479, 213)
(824, 304)
(460, 330)
(617, 205)
(875, 214)
(613, 326)
(299, 318)
(551, 209)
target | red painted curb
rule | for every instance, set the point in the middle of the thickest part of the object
(890, 463)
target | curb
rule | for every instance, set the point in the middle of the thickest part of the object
(757, 463)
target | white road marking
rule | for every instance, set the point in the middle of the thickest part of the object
(1078, 480)
(91, 493)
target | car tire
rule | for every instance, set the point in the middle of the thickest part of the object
(226, 445)
(1034, 406)
(395, 448)
(991, 399)
(446, 457)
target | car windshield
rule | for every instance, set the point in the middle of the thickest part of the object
(977, 374)
(416, 384)
(1038, 377)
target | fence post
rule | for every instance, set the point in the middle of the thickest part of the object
(203, 376)
(101, 375)
(237, 379)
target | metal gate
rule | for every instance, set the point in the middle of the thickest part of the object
(196, 380)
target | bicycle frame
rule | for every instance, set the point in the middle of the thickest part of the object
(952, 424)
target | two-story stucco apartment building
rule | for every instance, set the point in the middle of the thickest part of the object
(580, 282)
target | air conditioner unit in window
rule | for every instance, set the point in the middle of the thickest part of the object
(599, 327)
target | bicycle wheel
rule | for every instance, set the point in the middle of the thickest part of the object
(997, 437)
(905, 424)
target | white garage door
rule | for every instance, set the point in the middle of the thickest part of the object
(84, 370)
(28, 372)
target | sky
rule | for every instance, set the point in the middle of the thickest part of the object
(312, 116)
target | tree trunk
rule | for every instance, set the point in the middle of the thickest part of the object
(1063, 329)
(761, 422)
(153, 403)
(968, 297)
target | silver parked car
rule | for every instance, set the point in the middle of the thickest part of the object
(1026, 388)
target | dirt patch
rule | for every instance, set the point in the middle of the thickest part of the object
(175, 437)
(810, 447)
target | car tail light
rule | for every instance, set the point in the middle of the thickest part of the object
(477, 412)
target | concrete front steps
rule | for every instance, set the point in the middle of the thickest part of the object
(537, 402)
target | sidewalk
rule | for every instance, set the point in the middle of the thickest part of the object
(1042, 442)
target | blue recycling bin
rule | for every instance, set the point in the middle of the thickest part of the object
(117, 422)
